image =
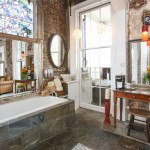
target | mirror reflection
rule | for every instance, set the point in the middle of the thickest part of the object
(57, 50)
(2, 57)
(139, 62)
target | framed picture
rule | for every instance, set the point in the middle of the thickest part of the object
(147, 20)
(146, 17)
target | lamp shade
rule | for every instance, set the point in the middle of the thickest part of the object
(144, 28)
(144, 36)
(145, 32)
(22, 54)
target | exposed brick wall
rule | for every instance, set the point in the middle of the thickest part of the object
(56, 20)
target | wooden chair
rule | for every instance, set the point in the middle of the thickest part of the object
(141, 113)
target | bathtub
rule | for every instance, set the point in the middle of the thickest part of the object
(18, 109)
(27, 123)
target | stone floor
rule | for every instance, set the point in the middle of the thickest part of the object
(88, 132)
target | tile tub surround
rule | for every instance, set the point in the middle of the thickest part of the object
(27, 107)
(38, 128)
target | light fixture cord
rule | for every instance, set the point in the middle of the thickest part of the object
(100, 11)
(144, 11)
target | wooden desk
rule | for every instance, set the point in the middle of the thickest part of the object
(130, 95)
(26, 83)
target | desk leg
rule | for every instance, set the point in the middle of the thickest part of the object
(26, 86)
(121, 105)
(15, 87)
(115, 109)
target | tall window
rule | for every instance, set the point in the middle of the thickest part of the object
(96, 55)
(96, 47)
(16, 17)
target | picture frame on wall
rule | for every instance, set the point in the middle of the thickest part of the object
(146, 17)
(147, 20)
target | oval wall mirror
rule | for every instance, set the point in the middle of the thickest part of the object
(57, 50)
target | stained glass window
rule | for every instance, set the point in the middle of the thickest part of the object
(16, 17)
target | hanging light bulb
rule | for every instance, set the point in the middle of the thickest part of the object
(22, 54)
(101, 27)
(144, 29)
(77, 34)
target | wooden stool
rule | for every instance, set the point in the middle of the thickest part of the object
(140, 113)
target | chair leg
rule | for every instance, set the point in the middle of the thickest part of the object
(130, 124)
(148, 128)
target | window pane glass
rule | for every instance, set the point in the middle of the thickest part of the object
(90, 20)
(1, 23)
(16, 17)
(96, 55)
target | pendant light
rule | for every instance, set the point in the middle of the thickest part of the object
(101, 28)
(144, 30)
(22, 54)
(77, 34)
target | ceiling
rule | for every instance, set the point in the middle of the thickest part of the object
(117, 4)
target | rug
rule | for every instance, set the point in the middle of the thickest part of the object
(81, 147)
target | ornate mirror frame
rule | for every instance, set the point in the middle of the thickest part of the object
(50, 54)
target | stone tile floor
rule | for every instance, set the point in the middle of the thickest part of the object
(89, 131)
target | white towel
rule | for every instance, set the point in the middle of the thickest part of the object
(51, 84)
(59, 88)
(58, 84)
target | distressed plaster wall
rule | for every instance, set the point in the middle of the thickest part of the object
(56, 20)
(135, 21)
(9, 57)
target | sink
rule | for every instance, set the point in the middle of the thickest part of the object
(67, 77)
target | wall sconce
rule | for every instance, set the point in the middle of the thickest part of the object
(145, 32)
(22, 54)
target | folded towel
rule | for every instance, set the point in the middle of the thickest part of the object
(58, 84)
(59, 88)
(51, 84)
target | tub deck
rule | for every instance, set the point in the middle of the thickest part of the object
(17, 110)
(28, 123)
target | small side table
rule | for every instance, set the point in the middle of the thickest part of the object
(20, 90)
(25, 82)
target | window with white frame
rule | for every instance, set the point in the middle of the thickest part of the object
(96, 48)
(95, 54)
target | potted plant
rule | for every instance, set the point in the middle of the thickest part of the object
(146, 76)
(24, 73)
(20, 87)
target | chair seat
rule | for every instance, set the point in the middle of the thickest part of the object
(140, 112)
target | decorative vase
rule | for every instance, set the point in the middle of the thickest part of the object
(24, 76)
